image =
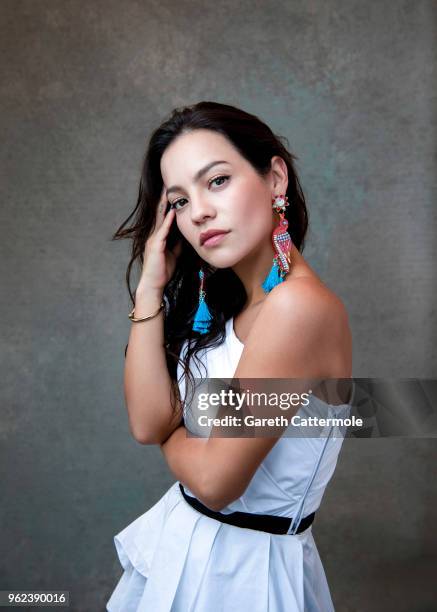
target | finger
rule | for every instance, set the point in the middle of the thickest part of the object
(162, 206)
(161, 211)
(166, 224)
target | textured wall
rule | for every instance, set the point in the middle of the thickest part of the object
(352, 85)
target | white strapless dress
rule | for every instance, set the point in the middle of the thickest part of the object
(176, 559)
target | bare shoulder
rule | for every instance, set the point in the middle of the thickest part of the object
(305, 325)
(306, 296)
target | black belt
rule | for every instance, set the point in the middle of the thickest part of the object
(260, 522)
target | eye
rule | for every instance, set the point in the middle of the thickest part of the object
(175, 203)
(217, 178)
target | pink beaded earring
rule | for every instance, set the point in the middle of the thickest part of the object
(282, 244)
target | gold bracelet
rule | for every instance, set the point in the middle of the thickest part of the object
(134, 320)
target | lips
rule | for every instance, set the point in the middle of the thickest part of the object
(210, 233)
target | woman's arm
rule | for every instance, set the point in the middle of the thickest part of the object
(292, 337)
(147, 383)
(209, 468)
(187, 458)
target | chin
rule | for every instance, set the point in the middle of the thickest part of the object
(222, 260)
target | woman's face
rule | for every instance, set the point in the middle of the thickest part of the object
(229, 196)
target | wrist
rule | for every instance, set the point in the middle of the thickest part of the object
(146, 292)
(147, 301)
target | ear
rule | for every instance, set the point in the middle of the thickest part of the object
(279, 175)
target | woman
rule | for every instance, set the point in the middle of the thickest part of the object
(242, 304)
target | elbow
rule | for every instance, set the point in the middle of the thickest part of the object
(216, 495)
(213, 502)
(145, 437)
(156, 436)
(217, 503)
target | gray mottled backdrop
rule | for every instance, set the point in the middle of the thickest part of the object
(352, 85)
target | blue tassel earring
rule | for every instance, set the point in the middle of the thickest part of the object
(273, 278)
(203, 317)
(282, 245)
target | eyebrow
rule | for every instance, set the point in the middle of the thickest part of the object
(197, 176)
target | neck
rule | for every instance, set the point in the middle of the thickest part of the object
(253, 269)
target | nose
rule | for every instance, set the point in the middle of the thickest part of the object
(201, 209)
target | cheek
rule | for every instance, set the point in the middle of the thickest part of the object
(253, 198)
(248, 204)
(183, 229)
(250, 231)
(187, 230)
(253, 214)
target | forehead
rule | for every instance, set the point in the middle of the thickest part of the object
(192, 150)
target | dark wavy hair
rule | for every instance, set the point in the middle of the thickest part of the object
(225, 293)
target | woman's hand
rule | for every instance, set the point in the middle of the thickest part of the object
(159, 262)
